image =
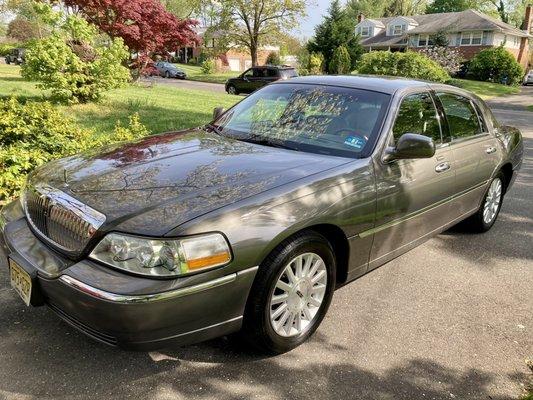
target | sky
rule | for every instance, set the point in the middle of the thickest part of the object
(315, 12)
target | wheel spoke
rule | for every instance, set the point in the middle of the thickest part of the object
(314, 302)
(289, 324)
(299, 267)
(283, 286)
(307, 313)
(299, 322)
(279, 298)
(318, 276)
(290, 274)
(279, 311)
(315, 267)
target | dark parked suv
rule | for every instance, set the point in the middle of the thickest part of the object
(257, 77)
(16, 56)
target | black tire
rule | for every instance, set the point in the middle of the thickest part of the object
(232, 90)
(257, 328)
(477, 222)
(8, 62)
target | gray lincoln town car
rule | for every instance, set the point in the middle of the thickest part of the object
(251, 222)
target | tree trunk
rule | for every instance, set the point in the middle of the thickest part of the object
(253, 53)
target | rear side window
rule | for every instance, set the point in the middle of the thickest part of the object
(417, 114)
(288, 73)
(272, 73)
(461, 115)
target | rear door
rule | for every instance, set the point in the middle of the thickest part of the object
(259, 78)
(413, 196)
(476, 150)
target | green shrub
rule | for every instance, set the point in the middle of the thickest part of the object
(409, 65)
(341, 62)
(496, 65)
(273, 58)
(33, 133)
(73, 62)
(209, 66)
(316, 64)
(6, 48)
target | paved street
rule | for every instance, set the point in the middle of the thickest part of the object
(450, 319)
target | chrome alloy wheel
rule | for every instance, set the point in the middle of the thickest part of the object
(298, 294)
(493, 200)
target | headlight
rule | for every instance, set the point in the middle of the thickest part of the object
(162, 257)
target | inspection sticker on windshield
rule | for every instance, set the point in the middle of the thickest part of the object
(353, 141)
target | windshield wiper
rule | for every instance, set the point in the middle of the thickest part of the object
(266, 142)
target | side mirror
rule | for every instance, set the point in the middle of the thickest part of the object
(411, 146)
(217, 112)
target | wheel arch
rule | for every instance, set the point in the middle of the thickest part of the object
(336, 238)
(507, 171)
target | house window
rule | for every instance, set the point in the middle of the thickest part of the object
(471, 38)
(425, 40)
(397, 30)
(364, 31)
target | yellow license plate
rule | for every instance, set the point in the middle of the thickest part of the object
(20, 281)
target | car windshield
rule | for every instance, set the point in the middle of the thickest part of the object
(312, 118)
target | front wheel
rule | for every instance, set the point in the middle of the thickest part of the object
(489, 210)
(291, 294)
(232, 90)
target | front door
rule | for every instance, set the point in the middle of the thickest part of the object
(413, 196)
(476, 150)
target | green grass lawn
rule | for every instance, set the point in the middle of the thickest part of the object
(161, 108)
(194, 73)
(485, 90)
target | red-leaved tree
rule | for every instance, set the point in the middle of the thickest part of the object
(146, 27)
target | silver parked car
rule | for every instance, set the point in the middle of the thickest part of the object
(251, 222)
(528, 79)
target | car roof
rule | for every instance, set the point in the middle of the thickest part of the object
(382, 84)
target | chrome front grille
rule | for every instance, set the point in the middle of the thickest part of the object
(60, 219)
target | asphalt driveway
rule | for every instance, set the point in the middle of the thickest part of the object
(450, 319)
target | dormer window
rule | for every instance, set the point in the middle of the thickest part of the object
(364, 31)
(397, 30)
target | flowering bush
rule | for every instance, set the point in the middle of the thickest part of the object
(448, 58)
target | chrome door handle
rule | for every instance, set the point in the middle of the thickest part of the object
(445, 166)
(490, 150)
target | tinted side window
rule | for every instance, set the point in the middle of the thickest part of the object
(249, 73)
(272, 73)
(259, 72)
(417, 114)
(461, 115)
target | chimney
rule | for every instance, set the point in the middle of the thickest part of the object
(361, 18)
(526, 26)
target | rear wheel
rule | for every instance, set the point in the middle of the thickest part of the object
(291, 294)
(489, 210)
(232, 89)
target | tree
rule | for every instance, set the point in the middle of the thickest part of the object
(443, 6)
(73, 61)
(22, 29)
(273, 58)
(341, 62)
(146, 27)
(368, 8)
(337, 29)
(252, 23)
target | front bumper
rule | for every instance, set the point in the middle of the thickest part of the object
(128, 311)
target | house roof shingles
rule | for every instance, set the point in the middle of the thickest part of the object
(469, 20)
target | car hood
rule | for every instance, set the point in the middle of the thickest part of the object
(153, 185)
